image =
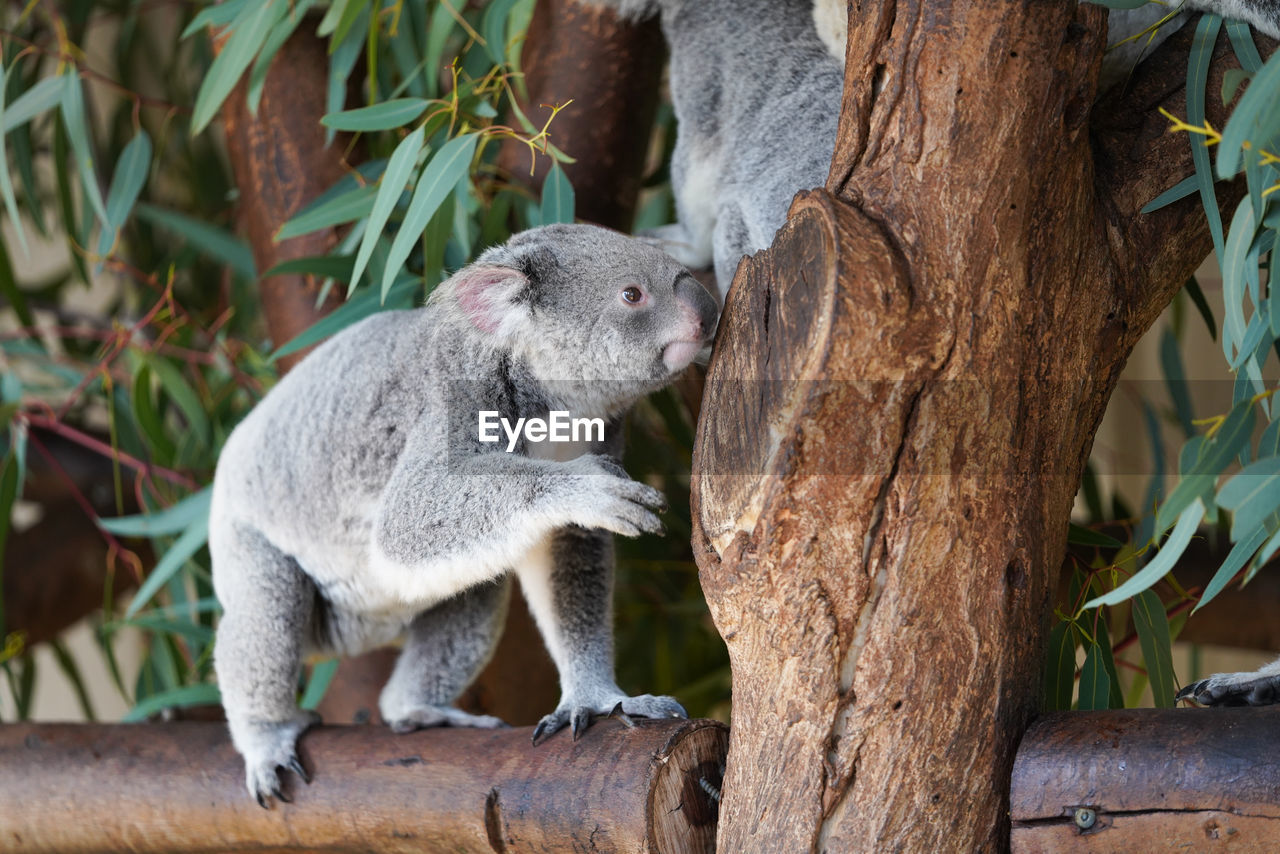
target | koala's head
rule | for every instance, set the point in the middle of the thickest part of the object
(579, 303)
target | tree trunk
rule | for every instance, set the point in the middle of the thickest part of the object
(904, 392)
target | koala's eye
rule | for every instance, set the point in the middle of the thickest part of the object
(632, 295)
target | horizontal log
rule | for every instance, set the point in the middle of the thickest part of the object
(180, 787)
(1148, 780)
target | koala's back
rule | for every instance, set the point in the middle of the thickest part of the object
(306, 466)
(759, 95)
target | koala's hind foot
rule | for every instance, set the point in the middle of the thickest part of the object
(578, 716)
(1258, 688)
(408, 720)
(267, 746)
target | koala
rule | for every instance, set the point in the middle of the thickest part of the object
(360, 501)
(757, 86)
(1259, 688)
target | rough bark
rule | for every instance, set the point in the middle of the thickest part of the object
(611, 71)
(1150, 779)
(905, 389)
(281, 163)
(180, 787)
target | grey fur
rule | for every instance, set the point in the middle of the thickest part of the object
(356, 501)
(756, 86)
(1258, 688)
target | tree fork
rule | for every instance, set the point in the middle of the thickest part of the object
(904, 392)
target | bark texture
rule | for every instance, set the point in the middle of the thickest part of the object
(904, 391)
(281, 163)
(180, 787)
(1150, 780)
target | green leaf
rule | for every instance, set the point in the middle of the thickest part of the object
(1253, 494)
(249, 30)
(280, 34)
(441, 175)
(1095, 683)
(1236, 559)
(186, 545)
(494, 29)
(557, 197)
(341, 64)
(1234, 258)
(67, 664)
(347, 207)
(1210, 458)
(1152, 625)
(360, 306)
(6, 181)
(1254, 118)
(321, 676)
(389, 114)
(1180, 190)
(216, 16)
(1079, 536)
(1060, 669)
(1231, 80)
(324, 266)
(1198, 60)
(217, 243)
(171, 520)
(126, 184)
(41, 97)
(1246, 51)
(441, 27)
(202, 694)
(72, 107)
(350, 12)
(1162, 563)
(1176, 381)
(184, 396)
(1192, 287)
(391, 188)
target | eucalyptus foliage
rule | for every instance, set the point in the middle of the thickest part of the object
(1228, 470)
(129, 180)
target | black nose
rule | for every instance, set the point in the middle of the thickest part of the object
(693, 294)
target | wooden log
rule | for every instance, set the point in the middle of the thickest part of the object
(1148, 780)
(180, 786)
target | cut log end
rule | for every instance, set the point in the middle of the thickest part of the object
(167, 787)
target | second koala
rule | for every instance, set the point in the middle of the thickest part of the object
(358, 502)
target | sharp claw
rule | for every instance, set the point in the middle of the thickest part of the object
(296, 767)
(581, 720)
(622, 716)
(539, 731)
(262, 802)
(279, 794)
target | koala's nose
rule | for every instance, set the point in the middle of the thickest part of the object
(695, 296)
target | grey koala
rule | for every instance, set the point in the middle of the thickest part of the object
(757, 85)
(359, 501)
(1259, 688)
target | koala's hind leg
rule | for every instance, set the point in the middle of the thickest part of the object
(1259, 688)
(267, 602)
(447, 647)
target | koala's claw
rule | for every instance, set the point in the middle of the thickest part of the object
(269, 747)
(1234, 689)
(578, 717)
(296, 767)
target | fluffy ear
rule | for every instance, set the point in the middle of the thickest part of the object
(490, 297)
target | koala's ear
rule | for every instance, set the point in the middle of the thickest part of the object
(492, 297)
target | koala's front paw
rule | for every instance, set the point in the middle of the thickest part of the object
(267, 746)
(1234, 689)
(615, 502)
(580, 715)
(408, 720)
